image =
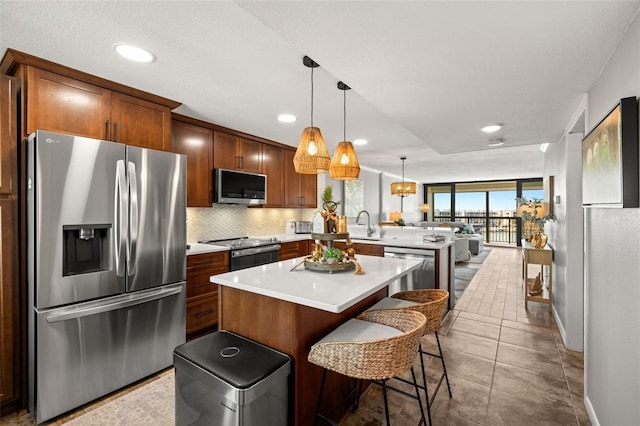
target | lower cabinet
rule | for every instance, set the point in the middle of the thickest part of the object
(293, 249)
(202, 295)
(364, 249)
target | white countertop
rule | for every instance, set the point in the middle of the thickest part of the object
(330, 292)
(198, 248)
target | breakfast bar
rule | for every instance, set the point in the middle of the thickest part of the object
(291, 310)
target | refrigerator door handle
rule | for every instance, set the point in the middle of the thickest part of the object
(133, 219)
(121, 201)
(115, 303)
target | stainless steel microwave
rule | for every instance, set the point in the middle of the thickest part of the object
(234, 187)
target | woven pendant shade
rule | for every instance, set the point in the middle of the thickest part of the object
(312, 156)
(344, 165)
(403, 189)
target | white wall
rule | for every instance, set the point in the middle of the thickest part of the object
(612, 268)
(563, 161)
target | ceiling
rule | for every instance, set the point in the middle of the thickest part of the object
(425, 75)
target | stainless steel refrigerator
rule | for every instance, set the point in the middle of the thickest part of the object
(106, 267)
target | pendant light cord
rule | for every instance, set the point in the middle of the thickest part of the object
(344, 92)
(311, 96)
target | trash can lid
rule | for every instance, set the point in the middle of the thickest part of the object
(234, 359)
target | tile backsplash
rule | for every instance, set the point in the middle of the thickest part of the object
(222, 221)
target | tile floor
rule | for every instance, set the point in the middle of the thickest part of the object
(506, 366)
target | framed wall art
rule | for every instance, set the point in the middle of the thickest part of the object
(610, 159)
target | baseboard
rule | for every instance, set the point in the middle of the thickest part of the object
(592, 414)
(563, 332)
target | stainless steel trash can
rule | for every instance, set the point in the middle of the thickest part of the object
(228, 380)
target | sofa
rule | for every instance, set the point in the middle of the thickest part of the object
(462, 230)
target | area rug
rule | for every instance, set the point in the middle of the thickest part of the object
(151, 404)
(465, 271)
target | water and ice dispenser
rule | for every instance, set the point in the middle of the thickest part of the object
(86, 248)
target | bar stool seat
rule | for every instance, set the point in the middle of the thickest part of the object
(376, 346)
(430, 303)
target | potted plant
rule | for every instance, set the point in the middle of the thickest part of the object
(534, 217)
(329, 206)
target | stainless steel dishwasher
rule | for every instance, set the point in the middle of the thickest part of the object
(422, 277)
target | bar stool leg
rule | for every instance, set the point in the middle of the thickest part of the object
(424, 383)
(358, 390)
(415, 385)
(443, 366)
(324, 375)
(386, 404)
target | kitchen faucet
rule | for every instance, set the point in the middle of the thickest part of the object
(369, 228)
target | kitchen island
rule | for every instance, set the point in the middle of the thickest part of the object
(290, 311)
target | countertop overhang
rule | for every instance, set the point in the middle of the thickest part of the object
(334, 292)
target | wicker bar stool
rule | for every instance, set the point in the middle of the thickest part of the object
(430, 303)
(375, 346)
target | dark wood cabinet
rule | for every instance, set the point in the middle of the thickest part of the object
(293, 249)
(140, 123)
(300, 190)
(197, 144)
(57, 98)
(61, 104)
(202, 295)
(10, 371)
(272, 160)
(236, 153)
(364, 249)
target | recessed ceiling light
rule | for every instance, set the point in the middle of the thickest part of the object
(496, 142)
(286, 118)
(544, 147)
(360, 142)
(492, 128)
(134, 53)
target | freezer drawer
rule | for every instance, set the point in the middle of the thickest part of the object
(87, 350)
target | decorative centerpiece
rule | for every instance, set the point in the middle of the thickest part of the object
(329, 258)
(533, 220)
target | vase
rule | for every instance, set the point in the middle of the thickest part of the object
(538, 240)
(329, 215)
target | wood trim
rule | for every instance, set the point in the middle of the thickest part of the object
(13, 58)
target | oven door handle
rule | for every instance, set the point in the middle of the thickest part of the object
(113, 304)
(254, 250)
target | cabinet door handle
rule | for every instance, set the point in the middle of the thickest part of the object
(242, 161)
(302, 200)
(115, 132)
(201, 285)
(200, 262)
(203, 314)
(107, 132)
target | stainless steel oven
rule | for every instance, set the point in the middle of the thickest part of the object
(247, 252)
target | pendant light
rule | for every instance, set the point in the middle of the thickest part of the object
(344, 165)
(403, 189)
(312, 156)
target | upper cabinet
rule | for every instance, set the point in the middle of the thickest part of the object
(8, 139)
(60, 99)
(272, 160)
(196, 143)
(236, 153)
(300, 190)
(61, 104)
